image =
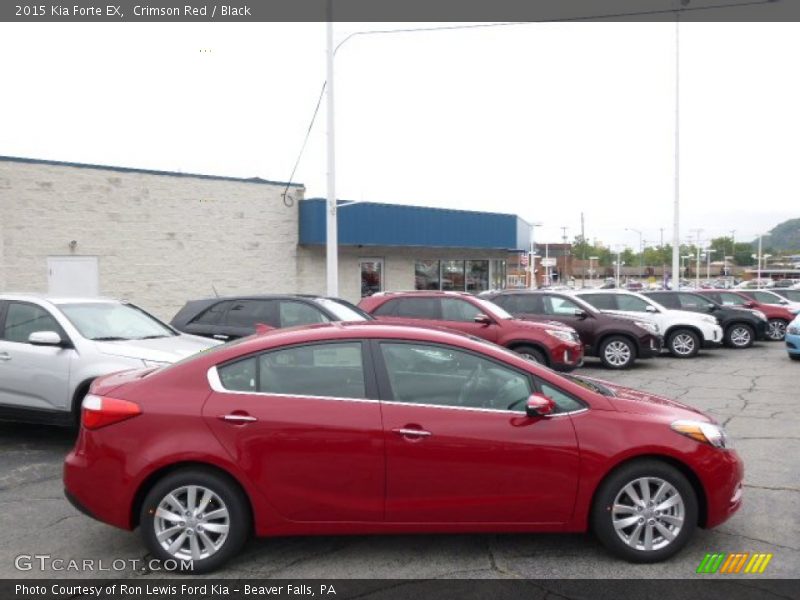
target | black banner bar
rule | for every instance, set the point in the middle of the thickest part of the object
(185, 588)
(396, 10)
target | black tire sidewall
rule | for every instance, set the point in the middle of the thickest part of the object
(538, 355)
(676, 333)
(730, 329)
(617, 338)
(231, 495)
(610, 487)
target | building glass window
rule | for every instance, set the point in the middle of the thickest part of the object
(477, 275)
(371, 276)
(453, 275)
(426, 275)
(498, 274)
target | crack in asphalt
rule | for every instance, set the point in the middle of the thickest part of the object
(752, 539)
(493, 559)
(774, 489)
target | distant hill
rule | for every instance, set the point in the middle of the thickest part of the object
(785, 236)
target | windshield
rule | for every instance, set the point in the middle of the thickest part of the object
(793, 295)
(343, 311)
(106, 321)
(496, 310)
(589, 385)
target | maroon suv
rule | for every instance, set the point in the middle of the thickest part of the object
(550, 344)
(617, 341)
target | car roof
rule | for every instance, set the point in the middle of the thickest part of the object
(420, 293)
(56, 300)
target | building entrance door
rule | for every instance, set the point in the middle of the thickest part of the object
(371, 271)
(72, 276)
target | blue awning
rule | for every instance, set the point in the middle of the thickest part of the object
(374, 224)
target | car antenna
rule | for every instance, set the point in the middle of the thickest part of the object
(215, 290)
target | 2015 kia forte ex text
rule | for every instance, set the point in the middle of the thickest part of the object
(357, 428)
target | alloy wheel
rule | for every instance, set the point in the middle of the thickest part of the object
(740, 336)
(683, 344)
(776, 330)
(191, 522)
(617, 353)
(648, 514)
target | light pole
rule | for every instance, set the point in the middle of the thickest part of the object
(685, 257)
(641, 249)
(532, 258)
(618, 264)
(331, 232)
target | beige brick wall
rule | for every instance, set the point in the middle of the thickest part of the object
(160, 239)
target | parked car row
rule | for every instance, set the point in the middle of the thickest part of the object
(392, 416)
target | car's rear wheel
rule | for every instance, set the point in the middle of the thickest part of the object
(645, 511)
(739, 335)
(617, 352)
(531, 353)
(683, 343)
(794, 356)
(776, 329)
(195, 515)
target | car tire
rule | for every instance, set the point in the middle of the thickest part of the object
(219, 525)
(532, 353)
(617, 352)
(683, 343)
(794, 356)
(776, 330)
(625, 527)
(739, 335)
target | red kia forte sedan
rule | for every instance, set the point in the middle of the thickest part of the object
(374, 428)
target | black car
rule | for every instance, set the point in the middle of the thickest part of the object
(740, 326)
(238, 316)
(617, 341)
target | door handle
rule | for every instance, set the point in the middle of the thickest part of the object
(239, 419)
(219, 336)
(412, 432)
(5, 356)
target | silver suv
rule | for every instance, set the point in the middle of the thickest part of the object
(52, 348)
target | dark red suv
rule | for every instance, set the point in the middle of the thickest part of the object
(550, 344)
(617, 341)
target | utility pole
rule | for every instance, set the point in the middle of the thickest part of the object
(563, 273)
(583, 253)
(331, 232)
(733, 249)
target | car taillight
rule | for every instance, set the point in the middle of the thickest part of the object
(99, 411)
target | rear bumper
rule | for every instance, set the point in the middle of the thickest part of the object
(81, 478)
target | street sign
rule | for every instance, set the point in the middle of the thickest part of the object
(548, 262)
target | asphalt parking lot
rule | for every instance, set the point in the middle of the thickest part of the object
(754, 392)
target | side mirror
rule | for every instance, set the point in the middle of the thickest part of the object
(539, 405)
(750, 304)
(482, 319)
(712, 307)
(651, 309)
(580, 313)
(45, 338)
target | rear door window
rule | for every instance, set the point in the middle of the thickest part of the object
(729, 299)
(601, 301)
(213, 314)
(692, 302)
(293, 313)
(418, 308)
(247, 313)
(631, 303)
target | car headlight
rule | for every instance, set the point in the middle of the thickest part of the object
(760, 315)
(154, 363)
(707, 433)
(651, 327)
(566, 336)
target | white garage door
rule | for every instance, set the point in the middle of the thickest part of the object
(72, 276)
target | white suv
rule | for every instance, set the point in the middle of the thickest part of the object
(52, 348)
(684, 332)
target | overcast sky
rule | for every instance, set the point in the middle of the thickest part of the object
(545, 121)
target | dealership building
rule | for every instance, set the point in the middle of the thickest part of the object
(160, 238)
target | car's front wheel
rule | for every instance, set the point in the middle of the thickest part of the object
(683, 343)
(739, 335)
(195, 517)
(617, 353)
(776, 329)
(531, 353)
(646, 511)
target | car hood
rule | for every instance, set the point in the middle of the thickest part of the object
(629, 400)
(166, 350)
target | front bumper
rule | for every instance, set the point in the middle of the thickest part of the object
(566, 357)
(761, 331)
(723, 485)
(792, 343)
(712, 337)
(650, 346)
